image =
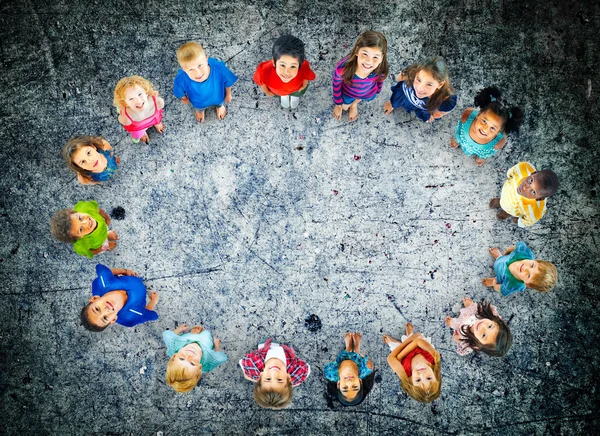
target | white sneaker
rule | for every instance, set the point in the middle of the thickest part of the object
(294, 101)
(285, 101)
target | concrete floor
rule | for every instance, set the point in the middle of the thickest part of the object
(236, 225)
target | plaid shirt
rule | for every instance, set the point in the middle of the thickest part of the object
(253, 364)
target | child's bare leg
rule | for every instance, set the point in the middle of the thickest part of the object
(453, 144)
(217, 343)
(409, 329)
(112, 235)
(112, 245)
(221, 112)
(387, 339)
(388, 108)
(353, 111)
(348, 341)
(160, 128)
(197, 329)
(502, 214)
(494, 203)
(356, 338)
(495, 252)
(200, 116)
(337, 111)
(145, 138)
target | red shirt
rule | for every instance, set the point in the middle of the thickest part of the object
(408, 359)
(266, 74)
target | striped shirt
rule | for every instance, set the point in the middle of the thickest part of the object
(358, 89)
(527, 210)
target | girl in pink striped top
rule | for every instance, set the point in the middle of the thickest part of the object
(360, 75)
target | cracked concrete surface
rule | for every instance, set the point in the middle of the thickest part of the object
(251, 224)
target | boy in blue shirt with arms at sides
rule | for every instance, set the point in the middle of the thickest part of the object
(205, 82)
(118, 295)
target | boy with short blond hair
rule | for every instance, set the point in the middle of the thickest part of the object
(202, 81)
(276, 370)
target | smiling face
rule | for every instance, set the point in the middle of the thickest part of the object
(197, 69)
(486, 126)
(349, 382)
(526, 271)
(274, 377)
(103, 311)
(485, 330)
(136, 98)
(188, 358)
(530, 187)
(88, 158)
(425, 84)
(287, 68)
(422, 373)
(368, 59)
(82, 224)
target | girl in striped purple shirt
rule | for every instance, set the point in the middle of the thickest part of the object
(360, 75)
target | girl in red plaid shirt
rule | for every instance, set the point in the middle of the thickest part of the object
(276, 370)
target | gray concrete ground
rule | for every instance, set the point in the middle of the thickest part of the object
(236, 224)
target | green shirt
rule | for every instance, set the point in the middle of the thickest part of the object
(94, 240)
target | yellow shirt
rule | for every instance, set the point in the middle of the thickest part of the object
(527, 210)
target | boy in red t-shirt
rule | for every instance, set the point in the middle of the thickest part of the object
(288, 74)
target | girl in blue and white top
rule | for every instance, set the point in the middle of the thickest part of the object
(482, 132)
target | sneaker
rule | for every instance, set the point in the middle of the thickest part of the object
(285, 101)
(294, 101)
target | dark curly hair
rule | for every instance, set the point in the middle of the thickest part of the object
(490, 99)
(60, 226)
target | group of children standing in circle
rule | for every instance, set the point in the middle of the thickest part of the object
(119, 295)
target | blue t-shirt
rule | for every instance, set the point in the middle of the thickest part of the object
(508, 282)
(211, 92)
(134, 312)
(111, 167)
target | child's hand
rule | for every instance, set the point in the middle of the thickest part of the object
(337, 112)
(112, 245)
(160, 128)
(430, 120)
(388, 108)
(467, 301)
(197, 329)
(153, 300)
(118, 160)
(112, 236)
(217, 343)
(489, 282)
(185, 100)
(181, 329)
(448, 320)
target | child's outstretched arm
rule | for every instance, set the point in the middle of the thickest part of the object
(153, 300)
(395, 357)
(104, 215)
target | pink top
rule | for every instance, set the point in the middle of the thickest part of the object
(467, 317)
(136, 126)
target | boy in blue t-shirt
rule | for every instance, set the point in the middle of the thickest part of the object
(118, 295)
(203, 81)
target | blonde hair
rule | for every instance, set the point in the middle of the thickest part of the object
(179, 379)
(546, 279)
(189, 51)
(270, 399)
(435, 387)
(128, 82)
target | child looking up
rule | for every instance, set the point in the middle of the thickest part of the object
(276, 370)
(86, 227)
(524, 194)
(137, 112)
(518, 269)
(203, 81)
(480, 328)
(350, 375)
(424, 89)
(417, 364)
(92, 158)
(118, 295)
(360, 75)
(288, 74)
(482, 132)
(191, 354)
